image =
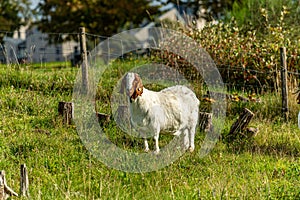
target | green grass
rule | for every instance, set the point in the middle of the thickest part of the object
(60, 167)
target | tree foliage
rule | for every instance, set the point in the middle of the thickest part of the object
(216, 9)
(207, 9)
(102, 17)
(260, 15)
(13, 14)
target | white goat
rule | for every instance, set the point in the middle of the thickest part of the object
(172, 110)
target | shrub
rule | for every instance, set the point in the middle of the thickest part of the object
(248, 53)
(245, 58)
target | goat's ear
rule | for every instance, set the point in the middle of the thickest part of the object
(139, 85)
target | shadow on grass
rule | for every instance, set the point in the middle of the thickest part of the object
(277, 150)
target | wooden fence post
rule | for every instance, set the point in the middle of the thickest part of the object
(284, 88)
(5, 191)
(240, 124)
(205, 121)
(84, 68)
(65, 109)
(2, 194)
(24, 183)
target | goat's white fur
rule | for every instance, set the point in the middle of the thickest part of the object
(172, 110)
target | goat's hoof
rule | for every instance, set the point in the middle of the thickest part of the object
(191, 149)
(156, 152)
(146, 150)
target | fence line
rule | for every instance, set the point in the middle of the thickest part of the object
(44, 47)
(248, 69)
(59, 37)
(40, 47)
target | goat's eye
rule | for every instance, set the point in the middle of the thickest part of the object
(139, 89)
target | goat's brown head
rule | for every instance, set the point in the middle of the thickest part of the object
(132, 84)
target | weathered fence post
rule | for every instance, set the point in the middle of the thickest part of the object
(205, 121)
(65, 109)
(5, 191)
(284, 88)
(24, 183)
(2, 194)
(240, 124)
(84, 68)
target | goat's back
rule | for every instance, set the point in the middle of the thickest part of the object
(184, 101)
(183, 94)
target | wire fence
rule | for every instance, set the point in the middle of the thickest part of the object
(244, 84)
(256, 79)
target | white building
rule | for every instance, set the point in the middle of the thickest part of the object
(173, 15)
(13, 50)
(31, 45)
(40, 49)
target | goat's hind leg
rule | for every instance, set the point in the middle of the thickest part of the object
(186, 140)
(156, 151)
(146, 145)
(192, 139)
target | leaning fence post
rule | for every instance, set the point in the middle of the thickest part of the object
(240, 124)
(5, 190)
(284, 88)
(24, 183)
(84, 68)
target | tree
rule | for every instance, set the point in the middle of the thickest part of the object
(101, 17)
(207, 9)
(14, 13)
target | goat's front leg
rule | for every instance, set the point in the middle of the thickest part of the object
(191, 139)
(186, 139)
(146, 145)
(156, 151)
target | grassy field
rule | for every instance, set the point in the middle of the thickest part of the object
(60, 167)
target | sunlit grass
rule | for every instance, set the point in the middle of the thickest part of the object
(60, 167)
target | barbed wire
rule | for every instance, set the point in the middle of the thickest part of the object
(293, 73)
